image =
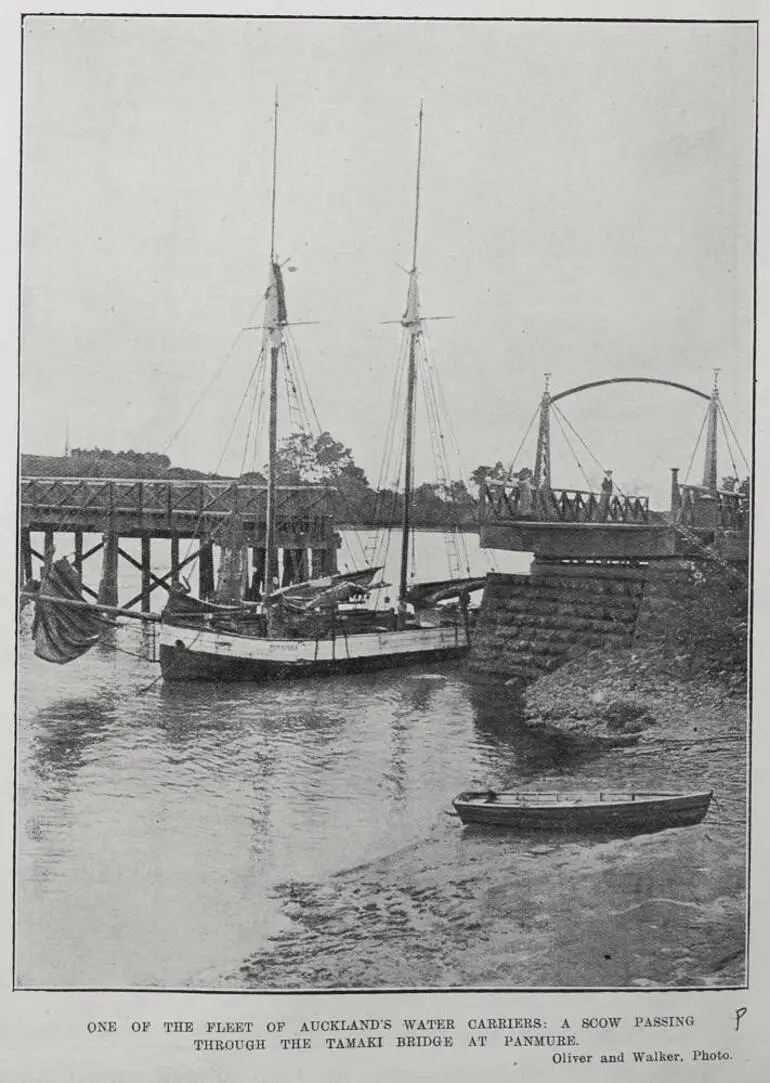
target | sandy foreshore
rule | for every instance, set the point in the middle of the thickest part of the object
(471, 908)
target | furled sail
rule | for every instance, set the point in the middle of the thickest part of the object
(275, 306)
(424, 595)
(62, 633)
(326, 590)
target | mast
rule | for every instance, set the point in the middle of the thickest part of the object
(411, 321)
(710, 471)
(275, 318)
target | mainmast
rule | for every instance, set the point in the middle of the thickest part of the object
(275, 320)
(411, 321)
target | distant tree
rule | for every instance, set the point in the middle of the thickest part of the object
(305, 460)
(498, 472)
(253, 477)
(99, 462)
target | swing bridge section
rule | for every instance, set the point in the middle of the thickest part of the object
(557, 524)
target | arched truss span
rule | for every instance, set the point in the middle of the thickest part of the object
(629, 380)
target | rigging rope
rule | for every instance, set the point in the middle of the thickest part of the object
(230, 351)
(737, 441)
(729, 448)
(221, 458)
(569, 445)
(697, 442)
(557, 410)
(439, 418)
(523, 439)
(258, 384)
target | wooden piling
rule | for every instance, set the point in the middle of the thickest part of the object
(48, 549)
(145, 572)
(316, 563)
(300, 565)
(78, 559)
(258, 574)
(26, 556)
(175, 559)
(206, 569)
(286, 571)
(108, 585)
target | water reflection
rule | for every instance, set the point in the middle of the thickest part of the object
(179, 810)
(64, 737)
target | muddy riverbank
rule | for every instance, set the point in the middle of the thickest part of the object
(467, 907)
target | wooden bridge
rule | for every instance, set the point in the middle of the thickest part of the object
(117, 508)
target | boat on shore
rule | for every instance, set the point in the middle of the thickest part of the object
(582, 811)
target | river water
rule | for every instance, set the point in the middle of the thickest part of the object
(153, 822)
(156, 823)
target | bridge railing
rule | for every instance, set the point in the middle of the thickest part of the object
(514, 503)
(707, 511)
(150, 500)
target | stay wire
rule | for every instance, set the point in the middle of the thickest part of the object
(379, 543)
(294, 388)
(572, 450)
(557, 410)
(523, 441)
(253, 411)
(233, 426)
(697, 444)
(729, 448)
(443, 419)
(441, 463)
(737, 441)
(464, 475)
(229, 353)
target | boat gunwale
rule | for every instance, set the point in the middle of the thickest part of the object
(341, 636)
(570, 801)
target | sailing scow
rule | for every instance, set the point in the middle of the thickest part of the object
(322, 624)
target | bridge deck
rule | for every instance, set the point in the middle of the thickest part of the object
(163, 509)
(573, 523)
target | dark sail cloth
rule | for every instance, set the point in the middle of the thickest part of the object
(425, 595)
(63, 633)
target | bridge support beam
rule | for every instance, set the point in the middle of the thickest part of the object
(316, 563)
(257, 572)
(48, 549)
(300, 566)
(175, 560)
(26, 556)
(108, 585)
(78, 558)
(206, 570)
(146, 553)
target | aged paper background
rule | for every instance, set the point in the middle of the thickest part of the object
(44, 1036)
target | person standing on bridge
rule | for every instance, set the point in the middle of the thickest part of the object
(605, 497)
(524, 485)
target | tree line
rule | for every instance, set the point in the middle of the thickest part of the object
(302, 460)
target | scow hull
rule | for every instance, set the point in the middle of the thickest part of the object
(189, 654)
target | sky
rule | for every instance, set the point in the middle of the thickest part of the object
(587, 209)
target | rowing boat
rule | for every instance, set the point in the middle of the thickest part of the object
(626, 811)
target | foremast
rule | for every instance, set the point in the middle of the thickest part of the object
(412, 323)
(273, 337)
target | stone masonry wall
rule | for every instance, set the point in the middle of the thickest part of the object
(531, 624)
